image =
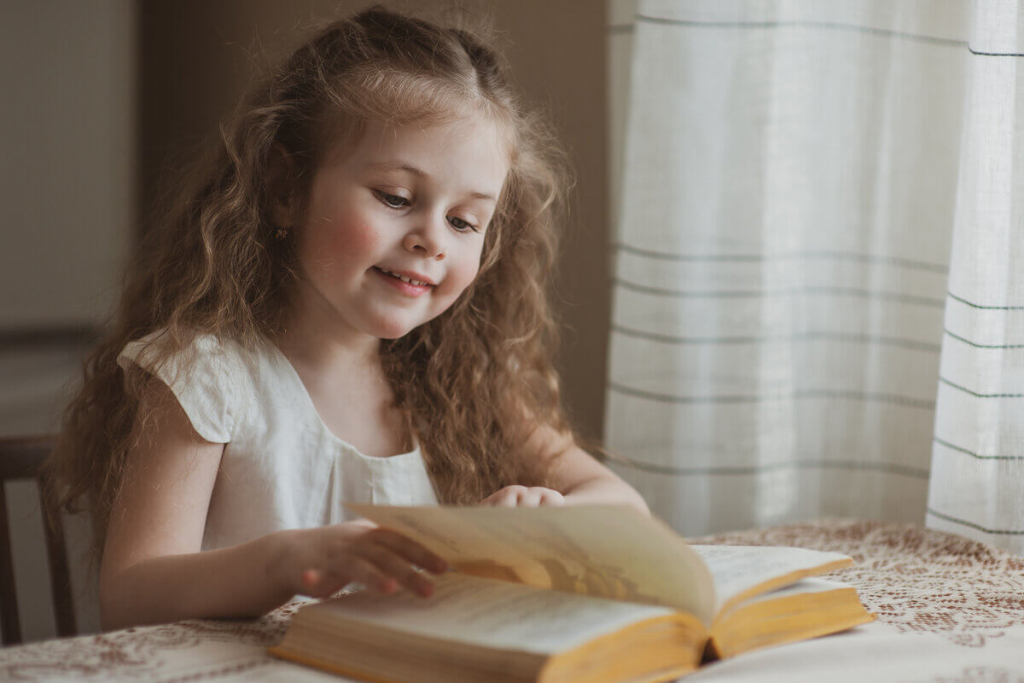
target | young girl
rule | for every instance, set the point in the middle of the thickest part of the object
(347, 305)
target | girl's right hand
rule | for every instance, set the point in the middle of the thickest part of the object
(321, 561)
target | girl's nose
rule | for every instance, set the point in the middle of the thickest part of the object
(426, 238)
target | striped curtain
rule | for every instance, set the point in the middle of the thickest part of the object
(818, 304)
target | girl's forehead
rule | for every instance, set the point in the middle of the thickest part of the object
(374, 141)
(474, 148)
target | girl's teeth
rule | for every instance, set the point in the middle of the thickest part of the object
(403, 278)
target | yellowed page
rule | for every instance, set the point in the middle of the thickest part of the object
(809, 608)
(809, 585)
(740, 572)
(804, 586)
(604, 551)
(496, 614)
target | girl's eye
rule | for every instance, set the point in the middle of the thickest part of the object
(461, 225)
(392, 200)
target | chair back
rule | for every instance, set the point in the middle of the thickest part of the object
(21, 458)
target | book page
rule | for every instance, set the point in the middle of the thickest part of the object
(742, 571)
(599, 550)
(491, 613)
(808, 585)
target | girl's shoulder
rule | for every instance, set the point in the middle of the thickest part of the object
(214, 378)
(160, 349)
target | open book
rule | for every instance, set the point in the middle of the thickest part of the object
(588, 593)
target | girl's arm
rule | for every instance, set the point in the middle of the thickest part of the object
(577, 478)
(153, 571)
(148, 574)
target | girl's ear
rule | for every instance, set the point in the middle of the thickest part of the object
(280, 187)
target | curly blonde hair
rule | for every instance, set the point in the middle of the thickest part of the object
(468, 381)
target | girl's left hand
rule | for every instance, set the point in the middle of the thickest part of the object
(524, 496)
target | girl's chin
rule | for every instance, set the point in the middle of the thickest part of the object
(392, 336)
(392, 329)
(386, 327)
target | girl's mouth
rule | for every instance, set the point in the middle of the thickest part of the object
(404, 284)
(404, 278)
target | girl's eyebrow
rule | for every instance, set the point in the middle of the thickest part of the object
(401, 166)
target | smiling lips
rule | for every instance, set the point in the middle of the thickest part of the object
(405, 282)
(408, 277)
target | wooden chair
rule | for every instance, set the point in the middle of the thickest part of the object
(21, 458)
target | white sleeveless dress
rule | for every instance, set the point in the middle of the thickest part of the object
(282, 468)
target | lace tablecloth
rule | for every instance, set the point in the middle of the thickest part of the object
(950, 610)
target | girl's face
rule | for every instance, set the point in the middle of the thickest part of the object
(394, 226)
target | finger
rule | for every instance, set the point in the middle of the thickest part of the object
(310, 579)
(552, 498)
(364, 571)
(392, 564)
(494, 500)
(502, 494)
(506, 498)
(319, 584)
(530, 498)
(409, 549)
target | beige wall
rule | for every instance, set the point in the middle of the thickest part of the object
(67, 188)
(66, 166)
(194, 65)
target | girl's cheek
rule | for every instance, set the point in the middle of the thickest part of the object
(351, 242)
(458, 281)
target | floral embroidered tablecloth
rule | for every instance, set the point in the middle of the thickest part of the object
(950, 610)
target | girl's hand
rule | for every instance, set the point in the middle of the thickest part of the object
(321, 561)
(524, 496)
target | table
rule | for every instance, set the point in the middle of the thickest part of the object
(950, 610)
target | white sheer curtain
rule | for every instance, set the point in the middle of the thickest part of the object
(818, 303)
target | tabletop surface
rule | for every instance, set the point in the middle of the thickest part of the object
(950, 610)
